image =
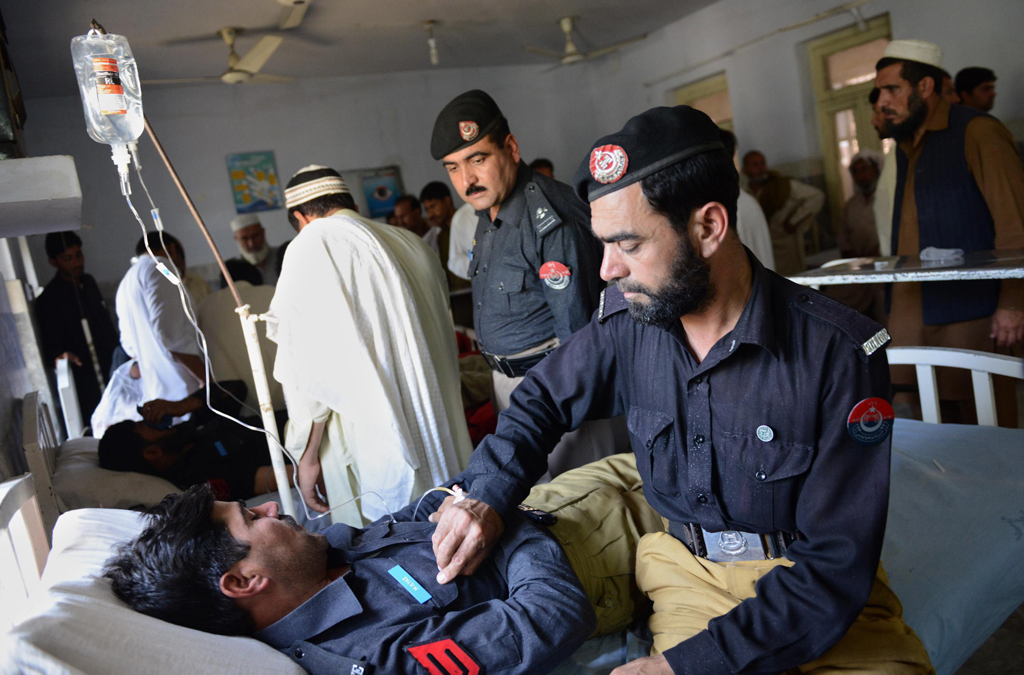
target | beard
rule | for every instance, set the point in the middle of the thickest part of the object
(255, 257)
(303, 563)
(688, 290)
(905, 130)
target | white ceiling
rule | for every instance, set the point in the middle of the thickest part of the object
(337, 37)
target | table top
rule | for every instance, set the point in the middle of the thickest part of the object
(1004, 264)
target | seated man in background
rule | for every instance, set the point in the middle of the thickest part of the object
(253, 247)
(234, 460)
(436, 199)
(409, 214)
(69, 299)
(366, 600)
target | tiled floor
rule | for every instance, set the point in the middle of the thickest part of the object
(1003, 653)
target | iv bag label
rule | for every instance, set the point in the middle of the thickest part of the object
(108, 87)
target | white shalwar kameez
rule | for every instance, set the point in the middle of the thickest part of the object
(153, 324)
(752, 227)
(366, 345)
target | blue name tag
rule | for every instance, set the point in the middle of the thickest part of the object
(409, 584)
(220, 449)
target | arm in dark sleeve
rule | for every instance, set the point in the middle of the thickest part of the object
(575, 383)
(799, 612)
(573, 245)
(546, 614)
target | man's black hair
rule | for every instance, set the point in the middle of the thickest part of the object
(435, 190)
(728, 140)
(172, 570)
(914, 71)
(677, 190)
(873, 96)
(969, 79)
(58, 242)
(500, 132)
(542, 163)
(154, 243)
(414, 204)
(120, 449)
(241, 270)
(321, 206)
(749, 153)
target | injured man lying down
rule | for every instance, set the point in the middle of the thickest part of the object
(367, 601)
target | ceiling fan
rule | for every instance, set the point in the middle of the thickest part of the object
(241, 69)
(572, 55)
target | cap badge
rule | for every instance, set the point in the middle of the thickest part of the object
(469, 130)
(608, 163)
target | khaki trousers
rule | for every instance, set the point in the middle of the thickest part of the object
(617, 545)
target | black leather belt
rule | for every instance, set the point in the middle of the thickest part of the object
(514, 367)
(731, 545)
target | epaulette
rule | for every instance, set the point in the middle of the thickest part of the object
(542, 214)
(612, 302)
(868, 335)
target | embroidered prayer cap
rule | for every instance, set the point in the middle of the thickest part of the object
(311, 182)
(647, 144)
(927, 53)
(464, 121)
(243, 221)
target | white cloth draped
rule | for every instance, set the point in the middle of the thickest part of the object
(153, 324)
(463, 229)
(365, 343)
(752, 227)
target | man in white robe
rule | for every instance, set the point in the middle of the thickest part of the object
(366, 356)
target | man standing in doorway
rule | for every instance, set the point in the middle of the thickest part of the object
(71, 297)
(959, 185)
(790, 207)
(253, 247)
(534, 262)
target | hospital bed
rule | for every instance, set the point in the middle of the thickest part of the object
(952, 549)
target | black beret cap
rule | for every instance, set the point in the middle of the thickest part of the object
(647, 144)
(464, 121)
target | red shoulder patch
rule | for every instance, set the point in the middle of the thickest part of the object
(444, 657)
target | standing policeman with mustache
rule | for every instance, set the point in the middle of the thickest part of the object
(535, 265)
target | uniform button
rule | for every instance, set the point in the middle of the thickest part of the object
(479, 305)
(803, 297)
(698, 380)
(485, 269)
(760, 475)
(698, 439)
(298, 653)
(649, 443)
(703, 499)
(501, 286)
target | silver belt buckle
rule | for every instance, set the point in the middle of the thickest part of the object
(733, 546)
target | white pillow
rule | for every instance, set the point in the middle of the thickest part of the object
(80, 482)
(77, 626)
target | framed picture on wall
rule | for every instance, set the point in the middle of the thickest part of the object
(254, 182)
(382, 187)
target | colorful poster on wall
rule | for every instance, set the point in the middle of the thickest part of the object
(254, 181)
(382, 188)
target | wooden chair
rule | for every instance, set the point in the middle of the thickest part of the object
(982, 365)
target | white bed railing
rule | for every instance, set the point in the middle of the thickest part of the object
(69, 404)
(982, 365)
(40, 443)
(23, 548)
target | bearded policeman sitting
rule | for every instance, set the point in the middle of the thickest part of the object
(758, 413)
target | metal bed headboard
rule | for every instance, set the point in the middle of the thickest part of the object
(40, 444)
(23, 547)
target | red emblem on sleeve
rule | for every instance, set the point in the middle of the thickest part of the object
(469, 130)
(555, 274)
(444, 657)
(608, 163)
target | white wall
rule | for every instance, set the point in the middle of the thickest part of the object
(347, 123)
(363, 122)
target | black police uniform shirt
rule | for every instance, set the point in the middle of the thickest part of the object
(59, 310)
(796, 363)
(541, 221)
(523, 611)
